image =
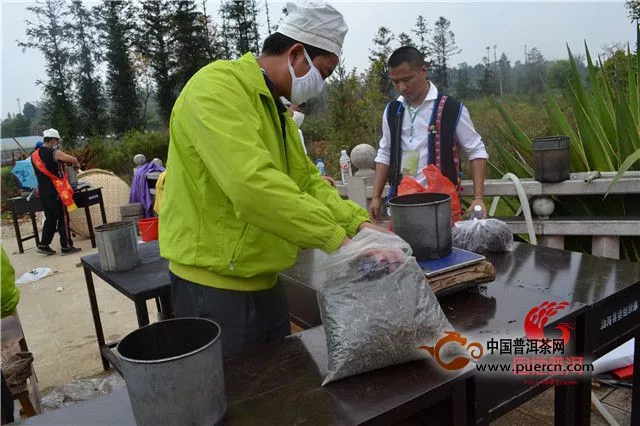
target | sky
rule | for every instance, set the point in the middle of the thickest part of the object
(511, 25)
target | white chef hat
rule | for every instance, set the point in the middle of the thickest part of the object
(315, 23)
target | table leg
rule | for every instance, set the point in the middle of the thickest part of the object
(166, 307)
(34, 224)
(635, 398)
(102, 212)
(142, 313)
(17, 229)
(96, 314)
(87, 212)
(460, 404)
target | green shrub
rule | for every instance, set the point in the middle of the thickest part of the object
(9, 187)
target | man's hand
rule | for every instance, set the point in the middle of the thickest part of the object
(331, 180)
(370, 225)
(478, 202)
(374, 209)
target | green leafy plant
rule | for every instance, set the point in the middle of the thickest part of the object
(604, 130)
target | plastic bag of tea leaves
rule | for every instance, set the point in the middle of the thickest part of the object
(482, 236)
(376, 307)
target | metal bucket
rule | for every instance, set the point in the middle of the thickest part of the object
(174, 372)
(424, 221)
(117, 246)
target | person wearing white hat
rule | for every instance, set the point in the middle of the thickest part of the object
(55, 193)
(241, 197)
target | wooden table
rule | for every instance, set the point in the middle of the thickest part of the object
(148, 281)
(525, 277)
(84, 197)
(279, 384)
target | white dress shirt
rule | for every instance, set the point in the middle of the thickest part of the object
(466, 136)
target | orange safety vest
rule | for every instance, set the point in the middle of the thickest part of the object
(61, 184)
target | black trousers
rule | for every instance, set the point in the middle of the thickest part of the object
(7, 403)
(56, 219)
(247, 318)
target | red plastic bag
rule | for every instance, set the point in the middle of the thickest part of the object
(410, 186)
(437, 182)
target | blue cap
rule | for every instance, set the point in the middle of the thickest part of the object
(39, 144)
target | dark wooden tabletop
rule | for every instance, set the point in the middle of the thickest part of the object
(280, 383)
(525, 277)
(150, 279)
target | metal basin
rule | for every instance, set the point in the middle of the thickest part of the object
(424, 221)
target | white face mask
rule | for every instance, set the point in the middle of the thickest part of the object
(306, 87)
(298, 117)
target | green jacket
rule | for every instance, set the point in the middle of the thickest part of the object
(10, 293)
(239, 201)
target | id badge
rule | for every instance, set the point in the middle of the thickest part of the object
(409, 165)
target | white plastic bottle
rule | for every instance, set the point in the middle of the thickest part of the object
(320, 166)
(345, 167)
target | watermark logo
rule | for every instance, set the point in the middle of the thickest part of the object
(474, 349)
(538, 354)
(539, 316)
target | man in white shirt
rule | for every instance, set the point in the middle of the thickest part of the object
(428, 128)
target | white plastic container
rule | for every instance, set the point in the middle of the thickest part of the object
(345, 167)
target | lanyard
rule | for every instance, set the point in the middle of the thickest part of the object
(413, 113)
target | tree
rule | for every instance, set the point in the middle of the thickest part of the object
(405, 40)
(153, 41)
(190, 42)
(381, 45)
(117, 25)
(633, 8)
(240, 26)
(444, 47)
(422, 33)
(379, 56)
(463, 87)
(504, 74)
(30, 111)
(535, 71)
(343, 115)
(48, 34)
(85, 54)
(490, 82)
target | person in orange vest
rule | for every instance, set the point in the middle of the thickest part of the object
(55, 191)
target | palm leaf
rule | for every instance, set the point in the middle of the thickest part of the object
(560, 125)
(626, 165)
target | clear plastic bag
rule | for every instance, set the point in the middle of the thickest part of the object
(482, 236)
(376, 306)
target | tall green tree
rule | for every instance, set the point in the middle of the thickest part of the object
(343, 115)
(240, 26)
(117, 24)
(154, 42)
(463, 87)
(443, 44)
(30, 110)
(85, 56)
(48, 33)
(633, 8)
(535, 71)
(422, 34)
(504, 74)
(381, 45)
(405, 40)
(190, 41)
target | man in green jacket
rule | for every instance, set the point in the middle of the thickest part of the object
(9, 297)
(241, 197)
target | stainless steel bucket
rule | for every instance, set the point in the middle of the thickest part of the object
(174, 372)
(117, 246)
(424, 221)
